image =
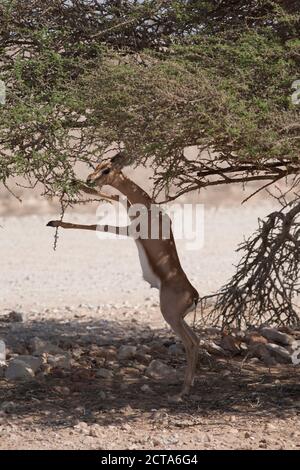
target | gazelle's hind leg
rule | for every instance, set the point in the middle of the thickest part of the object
(174, 312)
(192, 363)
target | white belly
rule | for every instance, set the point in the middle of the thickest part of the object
(147, 271)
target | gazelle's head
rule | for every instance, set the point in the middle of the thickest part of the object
(106, 172)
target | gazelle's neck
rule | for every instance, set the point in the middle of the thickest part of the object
(134, 193)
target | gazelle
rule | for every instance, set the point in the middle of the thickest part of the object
(158, 257)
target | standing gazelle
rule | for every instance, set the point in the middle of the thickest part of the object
(159, 261)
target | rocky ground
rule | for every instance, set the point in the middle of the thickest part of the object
(88, 363)
(88, 379)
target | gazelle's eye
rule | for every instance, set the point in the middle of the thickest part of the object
(106, 171)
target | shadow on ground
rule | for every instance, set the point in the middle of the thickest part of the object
(64, 397)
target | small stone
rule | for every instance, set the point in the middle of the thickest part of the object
(126, 352)
(146, 389)
(144, 349)
(247, 435)
(271, 427)
(176, 350)
(60, 360)
(40, 347)
(143, 358)
(95, 430)
(231, 344)
(2, 352)
(46, 369)
(156, 441)
(261, 351)
(280, 353)
(77, 353)
(7, 406)
(110, 354)
(254, 360)
(213, 348)
(62, 390)
(16, 316)
(82, 428)
(226, 373)
(206, 438)
(13, 317)
(32, 361)
(126, 427)
(104, 373)
(254, 338)
(234, 431)
(158, 370)
(275, 336)
(18, 370)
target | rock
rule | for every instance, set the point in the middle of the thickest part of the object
(143, 358)
(32, 362)
(157, 347)
(261, 351)
(62, 361)
(226, 373)
(275, 336)
(131, 371)
(126, 352)
(271, 427)
(40, 346)
(62, 390)
(7, 406)
(110, 354)
(146, 389)
(2, 371)
(158, 370)
(18, 370)
(279, 353)
(82, 428)
(77, 353)
(13, 317)
(104, 373)
(16, 316)
(176, 350)
(95, 430)
(254, 360)
(254, 338)
(144, 349)
(213, 348)
(234, 431)
(231, 344)
(2, 352)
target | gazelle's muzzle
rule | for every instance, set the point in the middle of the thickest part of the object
(91, 180)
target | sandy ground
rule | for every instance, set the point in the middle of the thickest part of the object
(89, 294)
(87, 270)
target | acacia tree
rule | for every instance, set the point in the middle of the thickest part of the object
(152, 78)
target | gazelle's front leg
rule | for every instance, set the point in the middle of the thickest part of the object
(97, 228)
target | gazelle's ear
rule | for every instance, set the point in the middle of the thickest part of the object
(118, 161)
